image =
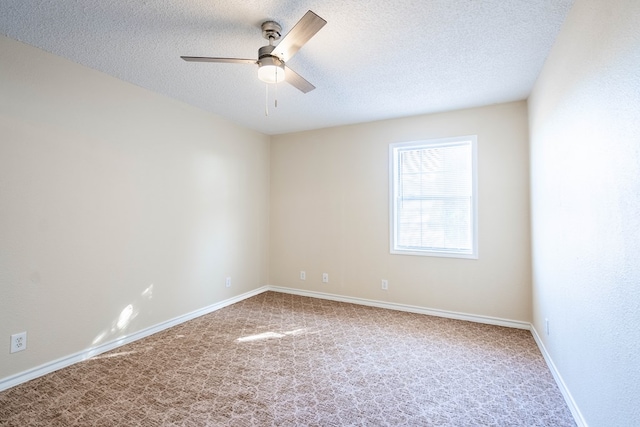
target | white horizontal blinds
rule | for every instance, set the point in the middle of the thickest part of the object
(434, 198)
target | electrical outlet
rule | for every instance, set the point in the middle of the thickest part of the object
(385, 284)
(18, 342)
(303, 275)
(325, 277)
(227, 282)
(546, 326)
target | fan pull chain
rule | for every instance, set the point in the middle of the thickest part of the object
(276, 95)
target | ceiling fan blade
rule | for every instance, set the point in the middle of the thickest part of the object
(297, 81)
(306, 28)
(209, 59)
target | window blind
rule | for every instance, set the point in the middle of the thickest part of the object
(433, 200)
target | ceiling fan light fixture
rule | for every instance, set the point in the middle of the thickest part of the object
(271, 70)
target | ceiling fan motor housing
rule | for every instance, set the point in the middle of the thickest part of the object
(265, 56)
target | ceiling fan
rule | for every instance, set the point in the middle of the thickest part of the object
(272, 59)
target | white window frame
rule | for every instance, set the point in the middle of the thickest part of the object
(394, 150)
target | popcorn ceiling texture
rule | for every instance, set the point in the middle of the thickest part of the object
(284, 360)
(373, 60)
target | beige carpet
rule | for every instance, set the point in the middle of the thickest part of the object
(284, 360)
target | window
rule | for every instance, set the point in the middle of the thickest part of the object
(433, 200)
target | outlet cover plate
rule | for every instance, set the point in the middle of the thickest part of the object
(18, 342)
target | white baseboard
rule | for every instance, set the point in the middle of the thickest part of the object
(575, 411)
(63, 362)
(404, 307)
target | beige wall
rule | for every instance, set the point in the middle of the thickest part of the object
(111, 196)
(585, 176)
(330, 213)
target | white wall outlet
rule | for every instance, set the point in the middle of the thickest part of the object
(227, 282)
(325, 277)
(546, 326)
(18, 342)
(303, 275)
(385, 284)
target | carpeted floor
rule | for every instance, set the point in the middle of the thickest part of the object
(283, 360)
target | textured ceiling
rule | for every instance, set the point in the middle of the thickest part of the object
(375, 59)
